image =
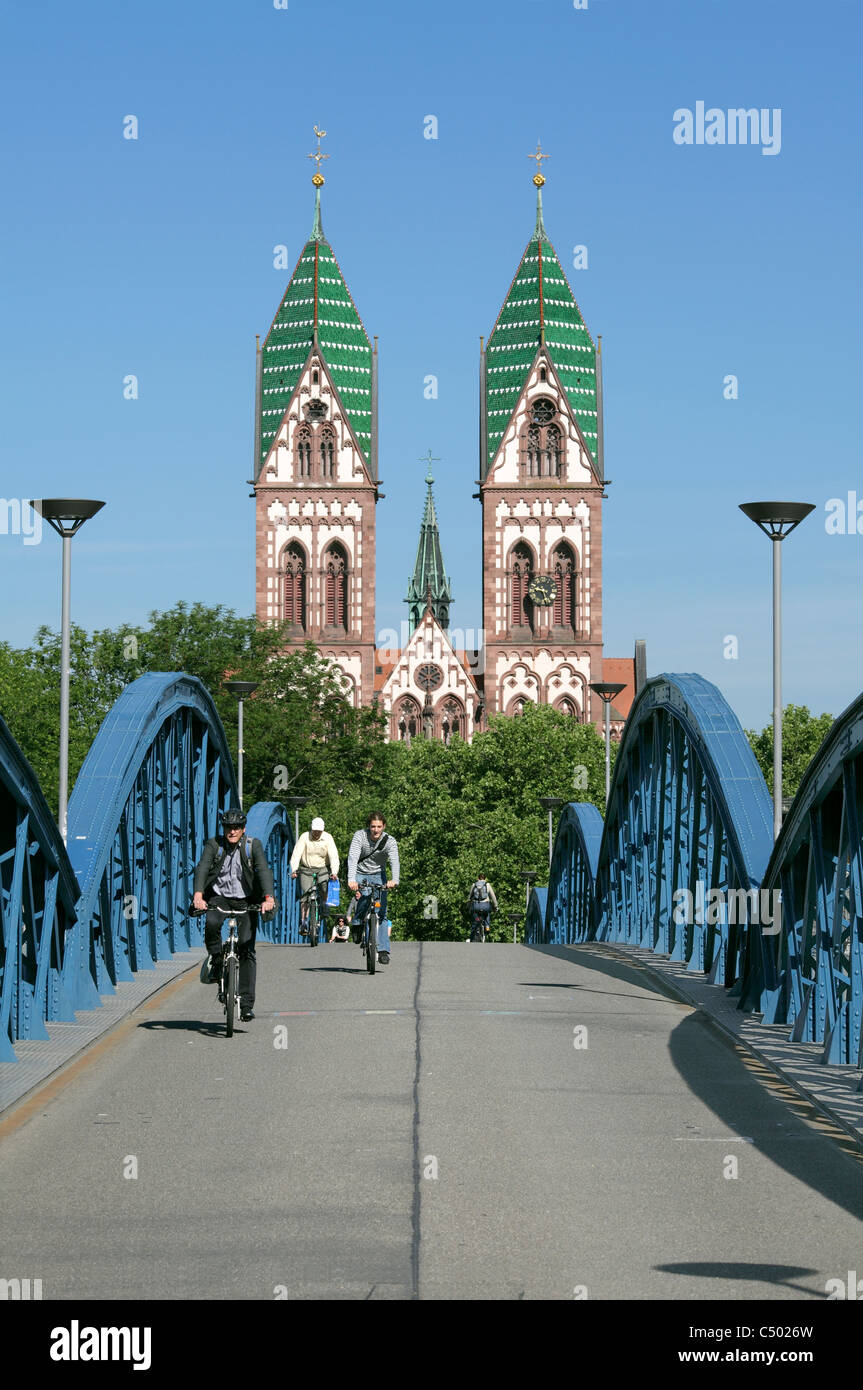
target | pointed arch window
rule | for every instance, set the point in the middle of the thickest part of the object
(295, 585)
(520, 606)
(408, 720)
(453, 720)
(567, 707)
(565, 580)
(542, 441)
(328, 451)
(304, 452)
(336, 587)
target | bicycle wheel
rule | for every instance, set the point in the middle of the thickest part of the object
(372, 947)
(232, 967)
(313, 923)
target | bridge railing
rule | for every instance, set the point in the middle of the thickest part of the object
(680, 864)
(38, 893)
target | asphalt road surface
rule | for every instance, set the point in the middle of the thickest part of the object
(473, 1122)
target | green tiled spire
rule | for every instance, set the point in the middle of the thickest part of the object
(540, 307)
(317, 309)
(429, 580)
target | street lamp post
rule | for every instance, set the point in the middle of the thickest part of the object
(66, 515)
(241, 689)
(777, 520)
(606, 690)
(297, 802)
(551, 804)
(515, 918)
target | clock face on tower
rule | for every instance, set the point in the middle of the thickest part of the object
(542, 590)
(429, 676)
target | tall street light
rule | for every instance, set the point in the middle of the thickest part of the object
(606, 690)
(777, 520)
(515, 918)
(297, 802)
(551, 804)
(66, 515)
(241, 689)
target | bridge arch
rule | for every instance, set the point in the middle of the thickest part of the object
(811, 973)
(38, 893)
(145, 801)
(688, 813)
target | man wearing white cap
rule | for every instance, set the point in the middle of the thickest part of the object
(314, 853)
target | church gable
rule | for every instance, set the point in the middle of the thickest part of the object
(314, 442)
(430, 682)
(543, 440)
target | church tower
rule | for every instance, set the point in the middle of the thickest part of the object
(429, 584)
(316, 483)
(541, 489)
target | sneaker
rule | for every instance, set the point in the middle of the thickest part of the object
(384, 957)
(215, 970)
(246, 1015)
(304, 931)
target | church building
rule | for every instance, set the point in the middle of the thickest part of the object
(541, 490)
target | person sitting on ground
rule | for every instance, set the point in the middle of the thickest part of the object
(341, 930)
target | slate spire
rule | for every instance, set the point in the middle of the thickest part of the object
(429, 586)
(540, 310)
(317, 311)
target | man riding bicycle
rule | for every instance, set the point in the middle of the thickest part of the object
(314, 853)
(233, 871)
(370, 850)
(481, 899)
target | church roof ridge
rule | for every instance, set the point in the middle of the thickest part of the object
(317, 310)
(520, 329)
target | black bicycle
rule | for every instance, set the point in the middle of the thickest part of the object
(313, 899)
(370, 923)
(229, 983)
(479, 924)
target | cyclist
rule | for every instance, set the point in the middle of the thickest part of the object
(232, 872)
(481, 899)
(370, 850)
(314, 852)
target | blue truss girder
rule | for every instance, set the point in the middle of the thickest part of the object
(145, 801)
(817, 862)
(688, 810)
(269, 822)
(38, 893)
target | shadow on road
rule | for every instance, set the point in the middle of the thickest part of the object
(746, 1096)
(766, 1274)
(188, 1025)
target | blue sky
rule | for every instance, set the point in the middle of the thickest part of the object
(154, 257)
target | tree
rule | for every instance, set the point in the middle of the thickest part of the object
(462, 809)
(802, 736)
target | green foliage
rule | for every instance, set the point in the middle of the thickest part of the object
(455, 810)
(469, 808)
(802, 736)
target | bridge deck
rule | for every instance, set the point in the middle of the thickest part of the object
(558, 1168)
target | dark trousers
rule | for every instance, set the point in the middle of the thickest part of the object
(247, 927)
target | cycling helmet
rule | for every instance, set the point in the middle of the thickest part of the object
(233, 818)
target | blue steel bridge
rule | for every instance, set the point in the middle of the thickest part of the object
(534, 1121)
(689, 812)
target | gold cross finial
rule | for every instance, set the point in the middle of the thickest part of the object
(317, 176)
(538, 177)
